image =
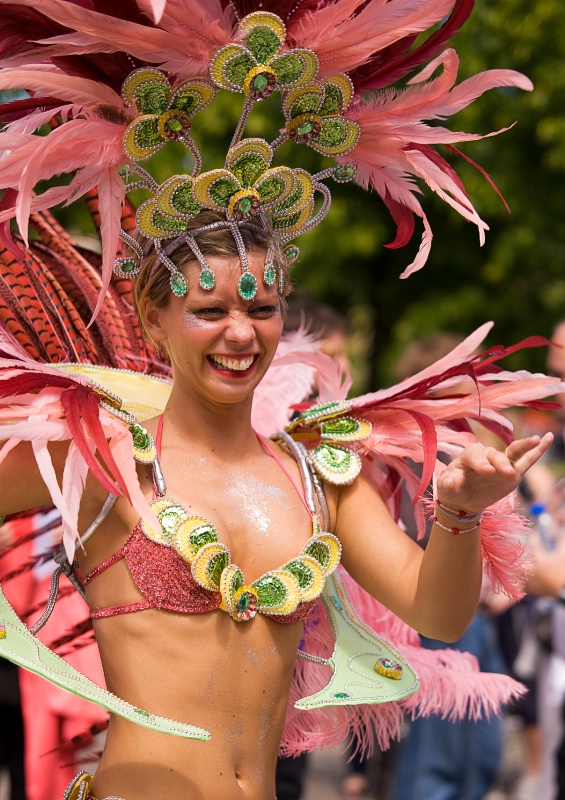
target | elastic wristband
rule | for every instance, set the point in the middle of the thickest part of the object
(461, 515)
(455, 531)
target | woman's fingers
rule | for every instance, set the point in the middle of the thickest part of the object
(523, 453)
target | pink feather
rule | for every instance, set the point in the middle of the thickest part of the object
(111, 192)
(73, 90)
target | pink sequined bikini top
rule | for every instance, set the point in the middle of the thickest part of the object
(184, 567)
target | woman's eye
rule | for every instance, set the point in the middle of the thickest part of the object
(264, 311)
(208, 312)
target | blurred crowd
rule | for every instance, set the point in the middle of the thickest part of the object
(45, 734)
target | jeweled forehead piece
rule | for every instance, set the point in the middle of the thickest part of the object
(248, 183)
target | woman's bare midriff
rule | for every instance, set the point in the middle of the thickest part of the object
(205, 670)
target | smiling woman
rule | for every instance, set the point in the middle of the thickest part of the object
(209, 556)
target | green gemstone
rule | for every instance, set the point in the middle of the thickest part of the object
(245, 205)
(337, 602)
(142, 712)
(243, 603)
(260, 83)
(179, 285)
(269, 275)
(174, 125)
(207, 279)
(291, 253)
(341, 695)
(305, 128)
(247, 286)
(142, 440)
(344, 173)
(128, 266)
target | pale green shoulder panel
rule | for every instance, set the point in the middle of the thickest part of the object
(366, 668)
(19, 646)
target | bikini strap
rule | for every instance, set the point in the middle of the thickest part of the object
(303, 492)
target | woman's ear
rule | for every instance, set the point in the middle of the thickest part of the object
(153, 319)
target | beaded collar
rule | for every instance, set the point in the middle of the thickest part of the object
(277, 592)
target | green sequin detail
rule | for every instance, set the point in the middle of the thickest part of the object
(170, 517)
(341, 695)
(293, 198)
(207, 279)
(222, 190)
(263, 43)
(247, 286)
(248, 168)
(270, 590)
(319, 409)
(320, 552)
(147, 134)
(152, 98)
(333, 133)
(334, 458)
(236, 581)
(333, 101)
(302, 572)
(179, 286)
(289, 68)
(271, 188)
(305, 104)
(142, 440)
(183, 201)
(286, 222)
(237, 68)
(187, 101)
(166, 223)
(204, 534)
(216, 566)
(340, 427)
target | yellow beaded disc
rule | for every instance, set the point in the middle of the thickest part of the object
(169, 513)
(184, 540)
(316, 585)
(209, 564)
(79, 788)
(232, 580)
(325, 548)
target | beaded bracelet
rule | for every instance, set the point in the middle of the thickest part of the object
(455, 531)
(460, 516)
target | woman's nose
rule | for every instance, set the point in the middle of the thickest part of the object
(240, 328)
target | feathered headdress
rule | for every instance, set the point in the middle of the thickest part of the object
(117, 82)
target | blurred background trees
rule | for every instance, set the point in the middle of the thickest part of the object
(517, 279)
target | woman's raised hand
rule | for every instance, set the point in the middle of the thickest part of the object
(480, 475)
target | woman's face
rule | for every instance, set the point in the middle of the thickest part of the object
(220, 345)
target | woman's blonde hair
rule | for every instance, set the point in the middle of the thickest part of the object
(153, 280)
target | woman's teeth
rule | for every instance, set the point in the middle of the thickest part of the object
(233, 363)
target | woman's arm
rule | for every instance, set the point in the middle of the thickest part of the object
(435, 591)
(21, 481)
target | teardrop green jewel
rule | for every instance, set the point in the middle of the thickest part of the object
(247, 286)
(207, 279)
(179, 285)
(269, 275)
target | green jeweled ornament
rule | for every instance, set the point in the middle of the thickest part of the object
(269, 275)
(320, 552)
(334, 458)
(179, 285)
(302, 572)
(170, 517)
(271, 591)
(126, 267)
(216, 566)
(203, 535)
(341, 695)
(142, 439)
(243, 603)
(291, 253)
(247, 286)
(346, 426)
(344, 173)
(207, 279)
